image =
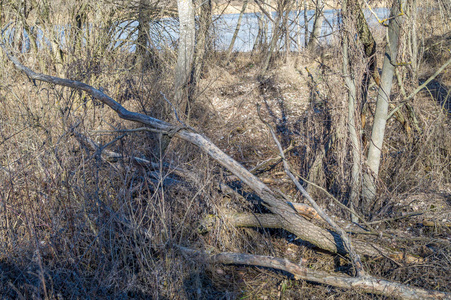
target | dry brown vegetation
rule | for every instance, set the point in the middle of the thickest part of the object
(76, 223)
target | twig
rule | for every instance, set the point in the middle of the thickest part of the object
(265, 12)
(173, 108)
(418, 89)
(177, 117)
(111, 154)
(382, 22)
(271, 161)
(419, 213)
(127, 130)
(440, 70)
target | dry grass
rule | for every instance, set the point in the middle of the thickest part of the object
(76, 225)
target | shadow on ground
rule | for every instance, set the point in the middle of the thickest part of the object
(440, 92)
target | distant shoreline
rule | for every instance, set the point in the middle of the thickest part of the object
(234, 7)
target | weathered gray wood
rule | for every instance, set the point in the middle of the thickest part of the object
(383, 99)
(367, 284)
(185, 53)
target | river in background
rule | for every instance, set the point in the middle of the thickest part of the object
(164, 33)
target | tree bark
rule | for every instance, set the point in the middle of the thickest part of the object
(383, 98)
(235, 33)
(279, 25)
(264, 18)
(366, 38)
(367, 284)
(202, 36)
(306, 33)
(185, 53)
(354, 133)
(317, 25)
(142, 54)
(298, 25)
(274, 38)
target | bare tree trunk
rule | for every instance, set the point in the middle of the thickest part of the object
(286, 28)
(307, 33)
(142, 53)
(81, 19)
(258, 38)
(52, 34)
(183, 69)
(298, 25)
(383, 98)
(272, 45)
(237, 29)
(202, 36)
(317, 25)
(356, 148)
(352, 122)
(413, 39)
(277, 29)
(185, 53)
(367, 40)
(262, 35)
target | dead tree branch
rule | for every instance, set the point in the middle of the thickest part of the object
(365, 284)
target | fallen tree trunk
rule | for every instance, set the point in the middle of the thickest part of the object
(271, 221)
(365, 284)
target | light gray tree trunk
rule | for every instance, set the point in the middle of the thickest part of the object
(317, 25)
(272, 45)
(383, 98)
(298, 25)
(413, 39)
(279, 25)
(306, 35)
(202, 41)
(185, 57)
(185, 53)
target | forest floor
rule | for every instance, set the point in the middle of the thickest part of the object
(77, 225)
(290, 96)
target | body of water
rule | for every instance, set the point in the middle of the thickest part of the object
(164, 33)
